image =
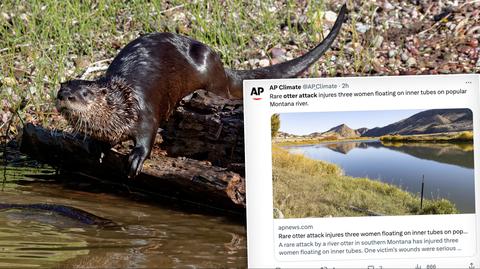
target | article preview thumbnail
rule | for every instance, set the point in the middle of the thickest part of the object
(373, 163)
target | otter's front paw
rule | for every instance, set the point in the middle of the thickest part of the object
(136, 159)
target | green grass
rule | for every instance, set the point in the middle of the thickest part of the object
(308, 188)
(313, 141)
(463, 146)
(45, 42)
(463, 137)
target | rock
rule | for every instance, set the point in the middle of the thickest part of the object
(404, 57)
(5, 16)
(178, 16)
(414, 13)
(33, 90)
(362, 28)
(277, 52)
(377, 66)
(444, 70)
(5, 116)
(377, 41)
(330, 16)
(19, 74)
(277, 214)
(253, 62)
(81, 62)
(411, 62)
(413, 50)
(392, 53)
(264, 62)
(388, 6)
(465, 49)
(276, 61)
(9, 81)
(473, 43)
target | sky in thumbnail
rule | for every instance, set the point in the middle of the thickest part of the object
(309, 122)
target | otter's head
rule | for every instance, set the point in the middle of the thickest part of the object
(78, 96)
(105, 110)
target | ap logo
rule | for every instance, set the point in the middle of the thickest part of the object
(256, 92)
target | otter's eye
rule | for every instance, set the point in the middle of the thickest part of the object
(104, 91)
(85, 94)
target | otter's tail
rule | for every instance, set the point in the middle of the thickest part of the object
(293, 67)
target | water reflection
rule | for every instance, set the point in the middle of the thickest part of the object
(345, 147)
(29, 240)
(447, 167)
(452, 153)
(457, 154)
(151, 236)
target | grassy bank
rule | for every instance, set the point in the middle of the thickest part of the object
(43, 43)
(463, 137)
(308, 188)
(464, 146)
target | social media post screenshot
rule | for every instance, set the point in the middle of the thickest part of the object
(363, 172)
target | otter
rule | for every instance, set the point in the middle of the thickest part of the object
(148, 78)
(64, 210)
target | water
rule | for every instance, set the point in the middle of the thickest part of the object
(150, 235)
(448, 168)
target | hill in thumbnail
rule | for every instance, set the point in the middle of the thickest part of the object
(428, 122)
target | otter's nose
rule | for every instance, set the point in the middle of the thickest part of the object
(65, 94)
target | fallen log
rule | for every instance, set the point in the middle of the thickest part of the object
(205, 126)
(179, 178)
